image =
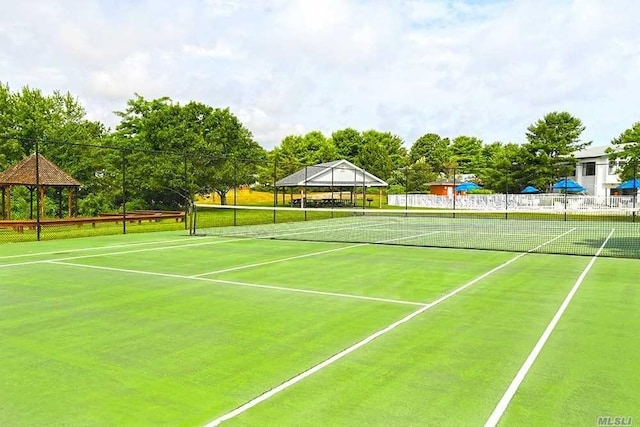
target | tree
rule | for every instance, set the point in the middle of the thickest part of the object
(552, 141)
(503, 168)
(348, 142)
(419, 175)
(627, 147)
(58, 124)
(433, 149)
(466, 151)
(316, 148)
(161, 139)
(374, 159)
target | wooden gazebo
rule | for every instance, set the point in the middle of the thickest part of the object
(23, 173)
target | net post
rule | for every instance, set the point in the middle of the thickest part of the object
(303, 199)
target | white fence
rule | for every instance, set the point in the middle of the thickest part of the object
(511, 201)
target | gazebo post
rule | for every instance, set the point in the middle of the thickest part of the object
(31, 189)
(70, 201)
(41, 198)
(59, 194)
(3, 204)
(28, 173)
(8, 205)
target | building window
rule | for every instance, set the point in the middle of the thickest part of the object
(589, 169)
(616, 166)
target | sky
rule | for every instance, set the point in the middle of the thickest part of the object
(487, 69)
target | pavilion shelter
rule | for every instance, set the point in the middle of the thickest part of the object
(338, 176)
(23, 173)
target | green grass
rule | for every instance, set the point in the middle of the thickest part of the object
(125, 337)
(53, 232)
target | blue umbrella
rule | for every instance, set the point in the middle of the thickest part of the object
(467, 186)
(530, 189)
(629, 185)
(568, 185)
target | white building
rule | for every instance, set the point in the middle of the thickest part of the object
(596, 173)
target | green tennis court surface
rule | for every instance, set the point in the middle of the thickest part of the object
(166, 329)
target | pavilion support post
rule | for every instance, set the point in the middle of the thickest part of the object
(8, 205)
(31, 190)
(59, 196)
(4, 206)
(41, 199)
(380, 198)
(69, 202)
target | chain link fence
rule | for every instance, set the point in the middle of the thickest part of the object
(74, 190)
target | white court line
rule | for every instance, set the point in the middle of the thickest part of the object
(214, 242)
(93, 248)
(258, 264)
(270, 393)
(409, 237)
(311, 254)
(517, 380)
(311, 230)
(244, 284)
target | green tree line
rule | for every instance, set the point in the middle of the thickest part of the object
(169, 152)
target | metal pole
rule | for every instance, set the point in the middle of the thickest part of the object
(235, 193)
(304, 194)
(364, 187)
(124, 192)
(566, 178)
(506, 197)
(454, 192)
(187, 193)
(406, 190)
(635, 189)
(38, 231)
(275, 189)
(332, 200)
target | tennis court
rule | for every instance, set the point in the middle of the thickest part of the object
(239, 327)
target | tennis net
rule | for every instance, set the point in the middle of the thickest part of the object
(570, 232)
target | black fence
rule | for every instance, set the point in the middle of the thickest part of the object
(70, 190)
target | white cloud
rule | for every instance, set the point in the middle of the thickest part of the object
(134, 74)
(453, 67)
(219, 50)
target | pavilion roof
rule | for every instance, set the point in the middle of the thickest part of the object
(338, 173)
(24, 173)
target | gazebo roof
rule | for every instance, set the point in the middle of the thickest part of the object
(338, 173)
(24, 173)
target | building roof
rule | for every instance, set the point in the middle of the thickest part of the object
(24, 173)
(445, 182)
(591, 152)
(338, 173)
